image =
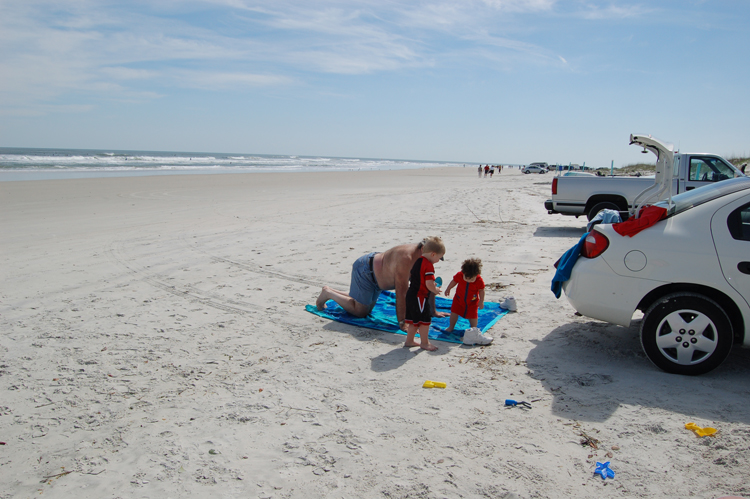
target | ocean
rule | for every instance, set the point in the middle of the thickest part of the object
(38, 164)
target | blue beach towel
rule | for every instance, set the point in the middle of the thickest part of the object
(383, 317)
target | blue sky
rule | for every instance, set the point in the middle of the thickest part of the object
(510, 81)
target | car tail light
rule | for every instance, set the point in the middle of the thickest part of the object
(594, 245)
(554, 186)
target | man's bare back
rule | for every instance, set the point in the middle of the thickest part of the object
(392, 266)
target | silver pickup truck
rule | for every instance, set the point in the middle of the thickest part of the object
(589, 194)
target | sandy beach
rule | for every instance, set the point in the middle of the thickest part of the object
(154, 344)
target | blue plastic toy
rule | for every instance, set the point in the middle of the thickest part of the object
(513, 403)
(438, 281)
(603, 470)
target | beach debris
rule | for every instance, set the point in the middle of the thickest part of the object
(496, 286)
(514, 403)
(213, 452)
(604, 470)
(433, 384)
(700, 432)
(58, 475)
(590, 441)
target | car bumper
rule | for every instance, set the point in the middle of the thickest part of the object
(596, 291)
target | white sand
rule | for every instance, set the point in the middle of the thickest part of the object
(154, 343)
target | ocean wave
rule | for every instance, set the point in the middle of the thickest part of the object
(76, 160)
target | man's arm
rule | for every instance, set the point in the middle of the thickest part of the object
(402, 286)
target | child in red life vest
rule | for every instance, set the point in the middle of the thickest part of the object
(421, 284)
(469, 296)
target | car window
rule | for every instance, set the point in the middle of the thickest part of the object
(688, 199)
(738, 223)
(708, 169)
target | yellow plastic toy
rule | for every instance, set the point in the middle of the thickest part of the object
(701, 432)
(433, 384)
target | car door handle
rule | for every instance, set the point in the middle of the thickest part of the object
(744, 267)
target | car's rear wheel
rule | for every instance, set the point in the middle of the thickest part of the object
(686, 333)
(604, 205)
(526, 171)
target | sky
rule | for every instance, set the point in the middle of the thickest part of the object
(499, 81)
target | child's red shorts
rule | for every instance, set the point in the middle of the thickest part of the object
(468, 310)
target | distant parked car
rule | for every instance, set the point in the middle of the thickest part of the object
(534, 168)
(689, 274)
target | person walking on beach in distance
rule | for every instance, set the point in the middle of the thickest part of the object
(486, 170)
(479, 170)
(421, 287)
(373, 273)
(492, 170)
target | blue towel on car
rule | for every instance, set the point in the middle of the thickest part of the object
(383, 317)
(565, 266)
(604, 217)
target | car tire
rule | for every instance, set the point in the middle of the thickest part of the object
(542, 171)
(526, 171)
(604, 205)
(686, 333)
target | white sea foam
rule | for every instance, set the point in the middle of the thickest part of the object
(88, 163)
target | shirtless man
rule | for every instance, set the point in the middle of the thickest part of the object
(373, 273)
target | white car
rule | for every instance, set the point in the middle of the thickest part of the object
(534, 169)
(689, 274)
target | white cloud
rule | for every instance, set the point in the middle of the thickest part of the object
(593, 11)
(521, 5)
(137, 49)
(220, 81)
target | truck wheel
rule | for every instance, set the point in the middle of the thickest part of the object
(686, 333)
(605, 205)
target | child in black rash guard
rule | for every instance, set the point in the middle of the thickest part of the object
(421, 284)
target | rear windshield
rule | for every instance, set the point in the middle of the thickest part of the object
(689, 199)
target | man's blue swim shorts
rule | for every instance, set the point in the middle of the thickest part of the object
(364, 287)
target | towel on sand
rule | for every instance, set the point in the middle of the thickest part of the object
(383, 317)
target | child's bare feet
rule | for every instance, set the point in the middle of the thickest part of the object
(411, 344)
(429, 347)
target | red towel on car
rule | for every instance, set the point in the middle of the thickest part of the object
(649, 216)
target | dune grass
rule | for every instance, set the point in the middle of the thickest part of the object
(650, 168)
